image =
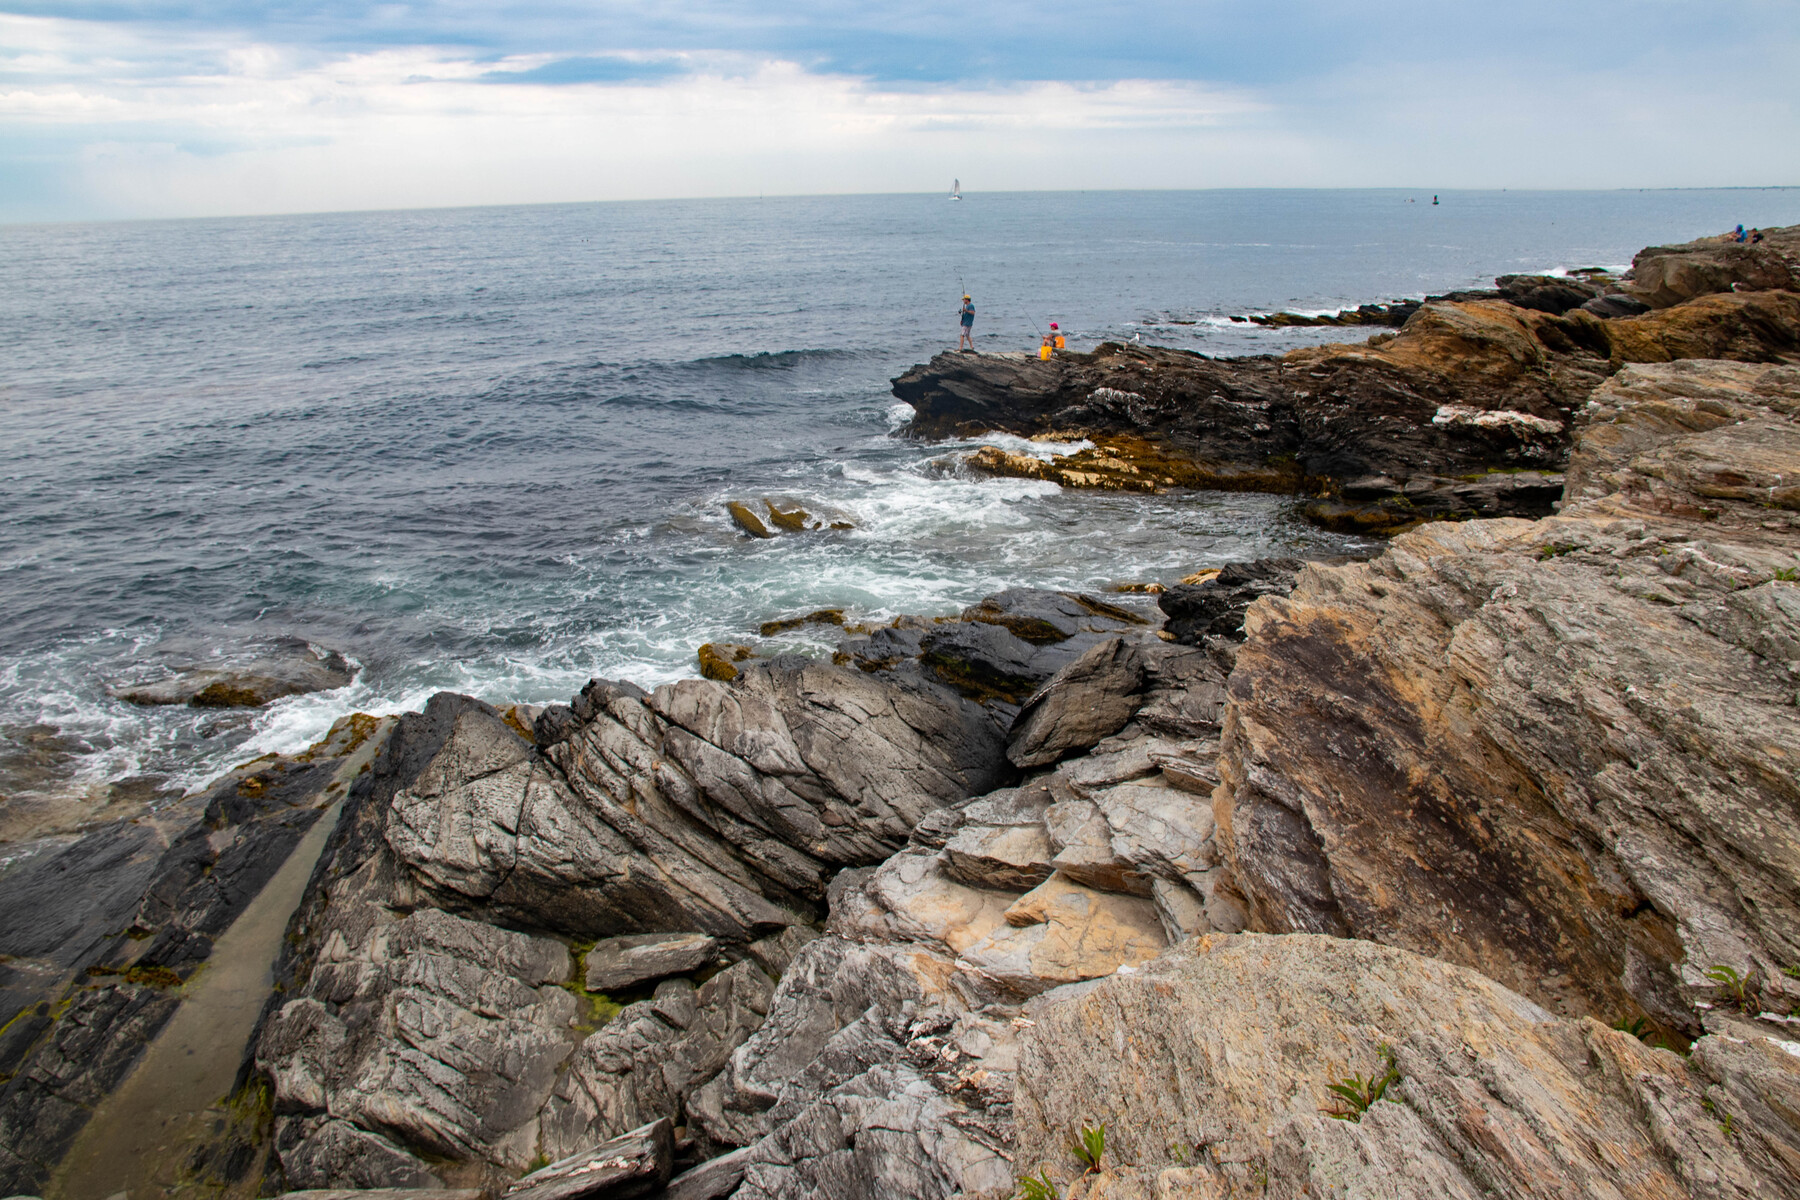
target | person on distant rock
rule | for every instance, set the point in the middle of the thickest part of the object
(1047, 349)
(1062, 343)
(1755, 236)
(967, 341)
(1738, 234)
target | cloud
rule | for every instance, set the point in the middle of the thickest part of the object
(141, 107)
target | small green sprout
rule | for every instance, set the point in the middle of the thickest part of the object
(1792, 972)
(1037, 1187)
(1360, 1094)
(1557, 550)
(1788, 574)
(1639, 1029)
(1732, 986)
(1091, 1146)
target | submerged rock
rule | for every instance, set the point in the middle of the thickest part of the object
(287, 667)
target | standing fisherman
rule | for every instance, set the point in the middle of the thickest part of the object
(968, 325)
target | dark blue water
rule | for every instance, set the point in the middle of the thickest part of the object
(488, 449)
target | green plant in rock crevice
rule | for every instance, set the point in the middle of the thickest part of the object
(1037, 1187)
(1091, 1146)
(1733, 987)
(1360, 1094)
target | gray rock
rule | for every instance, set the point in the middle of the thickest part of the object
(625, 962)
(1615, 304)
(647, 1061)
(1012, 857)
(1090, 699)
(713, 1179)
(631, 1165)
(886, 1134)
(436, 1030)
(319, 1153)
(1215, 608)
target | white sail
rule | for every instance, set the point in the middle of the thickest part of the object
(956, 189)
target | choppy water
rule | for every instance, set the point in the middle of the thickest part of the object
(488, 449)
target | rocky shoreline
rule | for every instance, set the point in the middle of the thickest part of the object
(1471, 869)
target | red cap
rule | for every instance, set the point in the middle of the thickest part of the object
(1053, 324)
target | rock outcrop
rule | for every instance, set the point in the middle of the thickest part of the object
(1209, 1070)
(1558, 752)
(1662, 276)
(98, 934)
(1438, 420)
(423, 1042)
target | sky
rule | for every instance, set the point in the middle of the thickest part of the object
(160, 108)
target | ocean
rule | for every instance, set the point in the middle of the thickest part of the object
(489, 449)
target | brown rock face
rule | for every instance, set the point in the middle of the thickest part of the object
(1667, 275)
(1560, 752)
(1209, 1069)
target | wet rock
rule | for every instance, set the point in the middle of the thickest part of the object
(793, 519)
(823, 616)
(1210, 1087)
(624, 962)
(1321, 417)
(1090, 699)
(747, 520)
(1215, 607)
(997, 652)
(718, 660)
(631, 1165)
(288, 667)
(100, 932)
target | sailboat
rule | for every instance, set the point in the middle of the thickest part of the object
(956, 189)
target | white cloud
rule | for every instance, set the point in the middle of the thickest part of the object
(415, 126)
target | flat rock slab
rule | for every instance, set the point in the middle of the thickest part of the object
(631, 1165)
(711, 1180)
(624, 962)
